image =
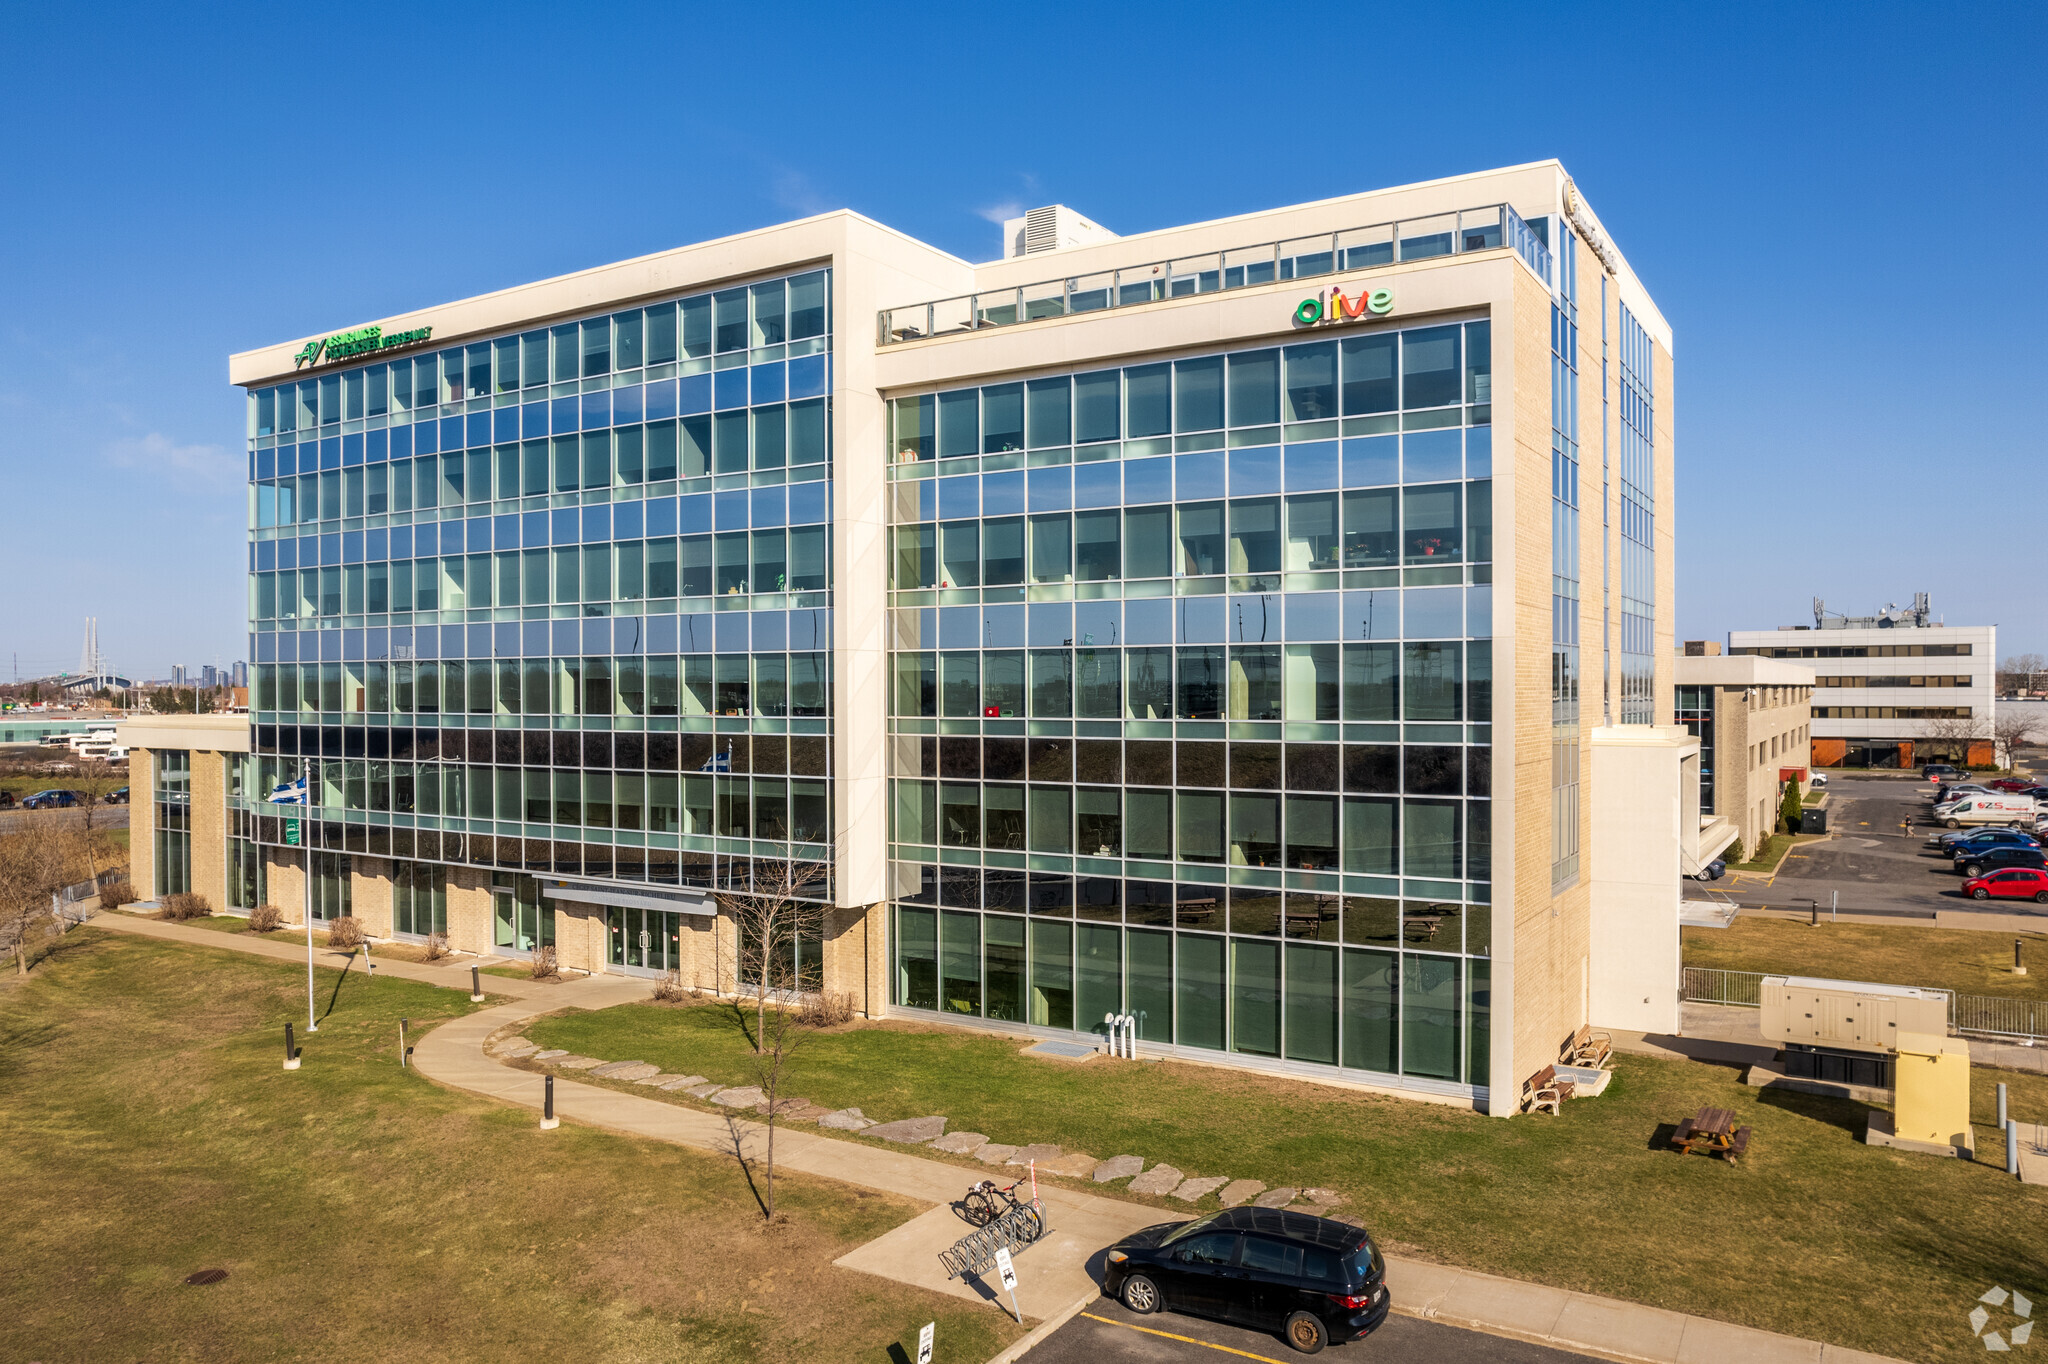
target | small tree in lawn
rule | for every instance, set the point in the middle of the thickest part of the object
(1789, 808)
(772, 918)
(35, 863)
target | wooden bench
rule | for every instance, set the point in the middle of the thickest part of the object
(1737, 1146)
(1588, 1048)
(1544, 1090)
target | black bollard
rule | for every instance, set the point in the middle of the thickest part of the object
(476, 985)
(548, 1120)
(404, 1051)
(291, 1050)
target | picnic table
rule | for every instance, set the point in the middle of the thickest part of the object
(1710, 1132)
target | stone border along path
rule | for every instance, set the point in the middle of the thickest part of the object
(1053, 1278)
(1160, 1179)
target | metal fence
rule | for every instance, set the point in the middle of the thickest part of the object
(1976, 1015)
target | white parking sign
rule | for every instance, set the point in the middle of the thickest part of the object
(924, 1343)
(1008, 1272)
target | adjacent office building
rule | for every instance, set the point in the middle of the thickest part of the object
(1259, 627)
(1754, 720)
(1893, 689)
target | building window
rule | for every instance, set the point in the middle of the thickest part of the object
(171, 806)
(419, 899)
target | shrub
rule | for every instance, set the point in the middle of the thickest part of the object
(437, 946)
(1789, 807)
(181, 907)
(114, 894)
(1734, 853)
(825, 1009)
(266, 919)
(669, 990)
(346, 931)
(546, 965)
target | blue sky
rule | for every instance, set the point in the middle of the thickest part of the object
(1838, 207)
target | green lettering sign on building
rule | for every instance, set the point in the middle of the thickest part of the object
(361, 341)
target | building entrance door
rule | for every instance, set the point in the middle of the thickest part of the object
(644, 942)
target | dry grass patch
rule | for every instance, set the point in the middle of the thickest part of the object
(1968, 961)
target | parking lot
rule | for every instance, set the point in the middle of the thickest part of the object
(1109, 1330)
(1875, 860)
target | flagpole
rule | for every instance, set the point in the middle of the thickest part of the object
(306, 843)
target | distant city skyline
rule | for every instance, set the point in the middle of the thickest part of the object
(1812, 417)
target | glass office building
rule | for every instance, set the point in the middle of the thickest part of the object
(1156, 627)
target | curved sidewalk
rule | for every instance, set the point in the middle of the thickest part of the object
(1057, 1275)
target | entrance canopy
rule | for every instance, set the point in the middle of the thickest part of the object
(631, 895)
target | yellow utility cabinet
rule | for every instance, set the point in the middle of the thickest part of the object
(1931, 1093)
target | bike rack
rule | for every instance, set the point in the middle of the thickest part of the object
(975, 1253)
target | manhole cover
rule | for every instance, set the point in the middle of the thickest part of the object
(207, 1276)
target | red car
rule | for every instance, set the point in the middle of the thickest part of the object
(2018, 883)
(2009, 784)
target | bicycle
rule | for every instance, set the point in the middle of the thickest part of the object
(987, 1200)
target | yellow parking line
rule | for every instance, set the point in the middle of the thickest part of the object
(1190, 1340)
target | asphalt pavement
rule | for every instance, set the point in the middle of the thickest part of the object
(105, 817)
(1106, 1329)
(1875, 861)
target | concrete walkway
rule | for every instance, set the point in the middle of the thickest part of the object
(1060, 1273)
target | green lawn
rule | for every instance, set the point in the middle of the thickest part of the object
(147, 1131)
(1589, 1201)
(1968, 961)
(1773, 851)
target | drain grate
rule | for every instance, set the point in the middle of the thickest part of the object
(207, 1276)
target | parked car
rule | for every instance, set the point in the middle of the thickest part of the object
(1975, 863)
(1818, 781)
(51, 800)
(1954, 790)
(1940, 772)
(1952, 841)
(6, 800)
(1713, 871)
(118, 796)
(2011, 785)
(1310, 1279)
(2015, 883)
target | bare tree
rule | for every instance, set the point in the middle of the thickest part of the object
(2013, 728)
(773, 919)
(1953, 735)
(2020, 672)
(36, 862)
(95, 781)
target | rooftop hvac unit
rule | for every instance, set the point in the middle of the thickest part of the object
(1051, 228)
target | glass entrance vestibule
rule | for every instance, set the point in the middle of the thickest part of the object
(643, 942)
(520, 924)
(1398, 1004)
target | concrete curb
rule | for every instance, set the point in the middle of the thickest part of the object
(1045, 1328)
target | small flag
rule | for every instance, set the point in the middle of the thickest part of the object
(718, 762)
(288, 793)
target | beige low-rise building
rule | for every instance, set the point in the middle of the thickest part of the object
(1754, 720)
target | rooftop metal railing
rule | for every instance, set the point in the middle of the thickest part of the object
(1358, 248)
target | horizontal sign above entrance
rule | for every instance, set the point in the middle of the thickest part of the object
(1333, 306)
(361, 341)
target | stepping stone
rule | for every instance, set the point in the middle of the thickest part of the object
(810, 1112)
(1159, 1181)
(1040, 1151)
(995, 1153)
(580, 1062)
(1318, 1199)
(1193, 1190)
(909, 1131)
(1076, 1166)
(785, 1107)
(514, 1046)
(1119, 1167)
(673, 1082)
(656, 1078)
(746, 1096)
(702, 1091)
(1240, 1191)
(1275, 1198)
(626, 1070)
(960, 1143)
(550, 1054)
(846, 1120)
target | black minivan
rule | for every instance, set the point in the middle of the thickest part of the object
(1309, 1278)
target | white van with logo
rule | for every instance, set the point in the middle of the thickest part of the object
(1988, 807)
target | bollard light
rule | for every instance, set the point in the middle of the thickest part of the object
(2012, 1146)
(548, 1120)
(291, 1050)
(2001, 1107)
(476, 986)
(404, 1051)
(2018, 967)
